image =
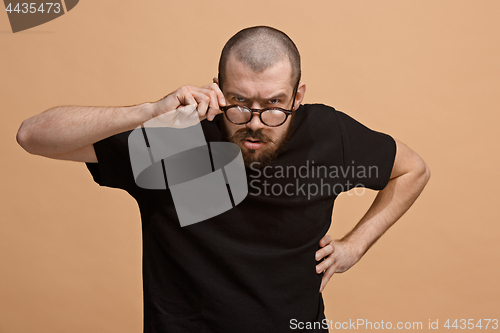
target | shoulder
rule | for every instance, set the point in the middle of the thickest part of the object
(318, 112)
(316, 116)
(316, 124)
(316, 108)
(324, 115)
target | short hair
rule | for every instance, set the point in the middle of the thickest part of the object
(260, 48)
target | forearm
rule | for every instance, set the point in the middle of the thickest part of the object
(64, 129)
(389, 205)
(408, 178)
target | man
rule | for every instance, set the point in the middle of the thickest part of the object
(250, 269)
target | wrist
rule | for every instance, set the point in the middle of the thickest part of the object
(148, 110)
(356, 249)
(141, 112)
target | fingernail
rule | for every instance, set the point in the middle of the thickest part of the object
(319, 269)
(318, 256)
(321, 289)
(210, 117)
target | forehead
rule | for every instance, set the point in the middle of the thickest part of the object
(241, 79)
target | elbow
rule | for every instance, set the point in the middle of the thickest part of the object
(424, 172)
(23, 138)
(427, 173)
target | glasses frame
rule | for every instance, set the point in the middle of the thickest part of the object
(260, 111)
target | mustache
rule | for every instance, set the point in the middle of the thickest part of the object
(245, 133)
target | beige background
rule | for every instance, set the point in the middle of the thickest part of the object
(426, 72)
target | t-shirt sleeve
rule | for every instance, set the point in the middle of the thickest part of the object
(368, 155)
(113, 168)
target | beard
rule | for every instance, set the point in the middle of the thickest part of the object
(262, 157)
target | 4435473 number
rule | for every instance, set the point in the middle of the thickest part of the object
(32, 8)
(470, 324)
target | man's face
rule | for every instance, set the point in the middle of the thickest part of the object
(270, 88)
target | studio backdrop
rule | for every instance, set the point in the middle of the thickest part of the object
(425, 72)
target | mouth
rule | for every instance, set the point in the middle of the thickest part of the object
(254, 144)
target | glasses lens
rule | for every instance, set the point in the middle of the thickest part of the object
(273, 117)
(238, 115)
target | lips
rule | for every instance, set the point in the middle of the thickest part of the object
(252, 143)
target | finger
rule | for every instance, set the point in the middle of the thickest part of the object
(324, 265)
(214, 105)
(220, 95)
(185, 97)
(326, 277)
(202, 99)
(215, 88)
(323, 252)
(218, 98)
(325, 240)
(209, 106)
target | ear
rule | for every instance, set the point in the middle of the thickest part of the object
(215, 80)
(301, 91)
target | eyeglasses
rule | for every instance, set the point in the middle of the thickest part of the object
(272, 117)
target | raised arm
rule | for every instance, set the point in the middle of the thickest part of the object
(71, 130)
(409, 176)
(68, 132)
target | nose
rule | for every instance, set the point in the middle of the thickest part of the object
(255, 123)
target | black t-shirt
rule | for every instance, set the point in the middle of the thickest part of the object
(252, 268)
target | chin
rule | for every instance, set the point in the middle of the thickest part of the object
(260, 158)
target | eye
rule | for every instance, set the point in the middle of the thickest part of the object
(239, 99)
(274, 101)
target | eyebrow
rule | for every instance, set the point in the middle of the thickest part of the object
(280, 95)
